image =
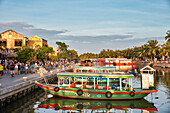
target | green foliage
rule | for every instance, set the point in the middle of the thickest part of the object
(53, 58)
(72, 54)
(88, 55)
(17, 49)
(165, 50)
(43, 52)
(168, 36)
(26, 54)
(150, 50)
(62, 46)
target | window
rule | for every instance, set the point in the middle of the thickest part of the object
(3, 43)
(18, 42)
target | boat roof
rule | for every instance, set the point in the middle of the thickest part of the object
(96, 68)
(104, 75)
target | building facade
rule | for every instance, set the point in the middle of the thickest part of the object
(35, 40)
(11, 39)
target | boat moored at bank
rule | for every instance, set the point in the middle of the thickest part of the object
(83, 90)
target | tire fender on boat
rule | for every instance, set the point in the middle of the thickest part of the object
(79, 92)
(80, 106)
(108, 94)
(109, 106)
(57, 108)
(56, 89)
(132, 94)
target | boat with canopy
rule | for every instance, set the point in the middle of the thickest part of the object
(110, 91)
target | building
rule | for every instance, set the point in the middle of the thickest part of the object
(35, 40)
(11, 39)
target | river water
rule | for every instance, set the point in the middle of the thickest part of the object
(40, 102)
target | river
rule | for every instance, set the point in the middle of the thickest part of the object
(39, 102)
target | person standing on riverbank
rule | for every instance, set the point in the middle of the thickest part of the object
(19, 68)
(26, 68)
(1, 69)
(12, 69)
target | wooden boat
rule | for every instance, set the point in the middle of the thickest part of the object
(118, 61)
(84, 91)
(75, 104)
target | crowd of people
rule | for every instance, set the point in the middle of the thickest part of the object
(16, 68)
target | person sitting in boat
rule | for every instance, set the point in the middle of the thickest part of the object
(113, 86)
(96, 86)
(107, 87)
(132, 72)
(84, 86)
(73, 85)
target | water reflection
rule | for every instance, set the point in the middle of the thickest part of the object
(95, 106)
(23, 105)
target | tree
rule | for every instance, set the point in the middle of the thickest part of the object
(165, 50)
(63, 52)
(168, 36)
(153, 48)
(26, 54)
(72, 54)
(43, 52)
(53, 58)
(62, 46)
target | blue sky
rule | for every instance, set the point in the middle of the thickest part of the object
(88, 25)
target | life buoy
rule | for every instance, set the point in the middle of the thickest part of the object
(56, 89)
(57, 108)
(132, 93)
(79, 106)
(79, 92)
(109, 106)
(132, 106)
(108, 94)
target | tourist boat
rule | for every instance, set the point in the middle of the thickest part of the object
(124, 62)
(75, 104)
(94, 91)
(118, 61)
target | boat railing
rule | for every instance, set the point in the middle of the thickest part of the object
(117, 88)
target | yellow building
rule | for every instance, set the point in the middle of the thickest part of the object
(35, 40)
(11, 39)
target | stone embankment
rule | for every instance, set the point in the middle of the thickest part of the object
(18, 86)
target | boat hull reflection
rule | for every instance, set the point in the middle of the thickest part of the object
(56, 103)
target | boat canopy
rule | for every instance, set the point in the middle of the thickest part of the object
(103, 75)
(94, 68)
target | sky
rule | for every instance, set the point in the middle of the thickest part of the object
(88, 25)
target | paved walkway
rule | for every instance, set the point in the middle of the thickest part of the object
(7, 80)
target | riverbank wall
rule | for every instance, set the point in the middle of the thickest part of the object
(20, 87)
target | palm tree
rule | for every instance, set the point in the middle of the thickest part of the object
(153, 48)
(143, 51)
(165, 50)
(168, 36)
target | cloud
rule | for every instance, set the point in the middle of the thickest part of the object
(28, 29)
(85, 43)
